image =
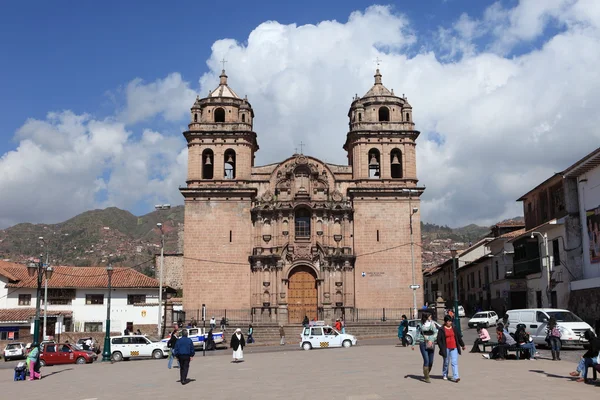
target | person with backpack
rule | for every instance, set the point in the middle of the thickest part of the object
(553, 338)
(171, 345)
(426, 336)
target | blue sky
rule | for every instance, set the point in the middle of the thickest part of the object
(95, 94)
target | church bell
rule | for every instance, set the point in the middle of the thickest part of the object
(395, 160)
(230, 160)
(207, 162)
(373, 162)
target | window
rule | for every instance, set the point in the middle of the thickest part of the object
(556, 252)
(118, 340)
(407, 117)
(243, 117)
(479, 278)
(7, 335)
(538, 298)
(229, 166)
(65, 349)
(136, 298)
(24, 299)
(359, 117)
(93, 299)
(553, 299)
(316, 331)
(384, 114)
(93, 327)
(230, 236)
(497, 271)
(541, 317)
(207, 164)
(378, 235)
(374, 164)
(396, 163)
(219, 115)
(302, 223)
(195, 117)
(139, 340)
(50, 348)
(60, 296)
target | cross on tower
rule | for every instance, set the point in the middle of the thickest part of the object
(377, 61)
(223, 61)
(301, 147)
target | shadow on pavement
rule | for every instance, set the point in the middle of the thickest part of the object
(552, 375)
(44, 376)
(415, 377)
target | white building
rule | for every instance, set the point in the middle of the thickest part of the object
(585, 290)
(77, 300)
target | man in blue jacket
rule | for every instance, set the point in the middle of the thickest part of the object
(184, 351)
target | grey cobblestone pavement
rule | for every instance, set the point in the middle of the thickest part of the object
(359, 373)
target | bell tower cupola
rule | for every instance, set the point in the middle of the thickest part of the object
(220, 136)
(381, 139)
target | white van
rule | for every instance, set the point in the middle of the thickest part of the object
(571, 326)
(124, 347)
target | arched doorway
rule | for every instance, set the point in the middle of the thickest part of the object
(302, 294)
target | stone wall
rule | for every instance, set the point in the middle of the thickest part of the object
(586, 304)
(173, 273)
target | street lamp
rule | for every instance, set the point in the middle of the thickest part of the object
(457, 317)
(41, 270)
(160, 207)
(414, 286)
(106, 354)
(548, 265)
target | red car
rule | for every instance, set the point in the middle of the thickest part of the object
(65, 353)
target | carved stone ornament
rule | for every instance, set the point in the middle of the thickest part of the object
(267, 196)
(301, 160)
(302, 252)
(336, 196)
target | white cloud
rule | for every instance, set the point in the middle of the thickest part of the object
(502, 124)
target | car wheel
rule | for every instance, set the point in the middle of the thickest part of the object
(157, 354)
(409, 340)
(306, 346)
(42, 363)
(6, 359)
(117, 356)
(487, 324)
(347, 343)
(80, 360)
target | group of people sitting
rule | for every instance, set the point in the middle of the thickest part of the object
(505, 341)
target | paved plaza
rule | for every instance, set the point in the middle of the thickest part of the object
(362, 372)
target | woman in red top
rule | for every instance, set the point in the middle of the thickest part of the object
(450, 342)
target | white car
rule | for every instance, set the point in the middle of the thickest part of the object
(13, 351)
(412, 329)
(125, 347)
(461, 312)
(487, 318)
(321, 337)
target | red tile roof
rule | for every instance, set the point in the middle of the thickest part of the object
(23, 315)
(77, 277)
(513, 234)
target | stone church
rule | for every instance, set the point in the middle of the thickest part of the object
(302, 236)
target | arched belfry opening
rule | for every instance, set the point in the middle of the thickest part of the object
(219, 115)
(229, 165)
(302, 223)
(384, 114)
(396, 163)
(207, 164)
(374, 164)
(243, 117)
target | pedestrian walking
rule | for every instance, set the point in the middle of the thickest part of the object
(184, 351)
(171, 345)
(237, 344)
(553, 338)
(281, 335)
(213, 323)
(403, 331)
(425, 338)
(250, 333)
(450, 341)
(33, 362)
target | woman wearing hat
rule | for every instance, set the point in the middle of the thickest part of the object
(237, 344)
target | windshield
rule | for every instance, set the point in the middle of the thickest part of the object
(480, 315)
(564, 316)
(13, 346)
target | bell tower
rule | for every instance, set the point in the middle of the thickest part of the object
(381, 140)
(218, 198)
(385, 198)
(221, 143)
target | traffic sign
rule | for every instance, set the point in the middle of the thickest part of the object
(414, 287)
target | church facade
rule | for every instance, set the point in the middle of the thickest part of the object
(302, 236)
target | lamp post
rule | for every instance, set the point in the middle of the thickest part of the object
(457, 317)
(160, 207)
(548, 265)
(414, 285)
(106, 354)
(42, 271)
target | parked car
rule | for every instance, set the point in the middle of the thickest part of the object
(572, 327)
(320, 337)
(65, 353)
(125, 347)
(198, 335)
(83, 343)
(412, 329)
(14, 351)
(487, 318)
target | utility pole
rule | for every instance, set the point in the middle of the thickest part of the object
(162, 263)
